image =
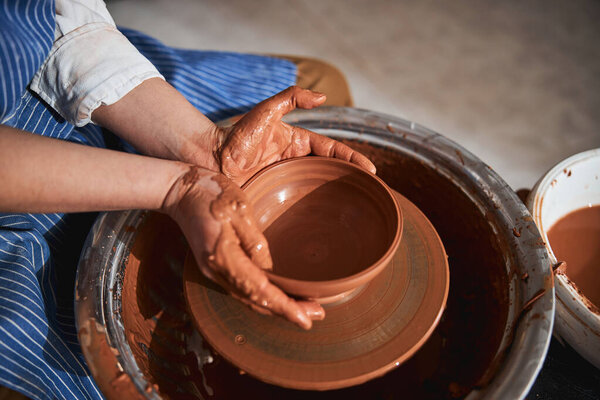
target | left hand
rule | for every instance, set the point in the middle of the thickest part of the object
(260, 138)
(218, 223)
(160, 122)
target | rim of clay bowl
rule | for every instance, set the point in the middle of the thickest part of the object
(577, 323)
(331, 290)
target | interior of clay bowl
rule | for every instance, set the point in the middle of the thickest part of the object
(331, 226)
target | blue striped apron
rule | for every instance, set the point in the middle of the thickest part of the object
(39, 352)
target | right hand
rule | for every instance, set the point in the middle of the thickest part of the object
(219, 225)
(260, 138)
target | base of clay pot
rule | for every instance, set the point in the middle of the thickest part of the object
(366, 332)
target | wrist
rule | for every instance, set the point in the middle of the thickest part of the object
(200, 147)
(158, 121)
(192, 183)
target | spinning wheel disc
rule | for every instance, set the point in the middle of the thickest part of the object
(374, 329)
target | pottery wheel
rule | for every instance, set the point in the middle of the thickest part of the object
(376, 328)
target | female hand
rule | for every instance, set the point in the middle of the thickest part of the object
(219, 225)
(160, 122)
(260, 138)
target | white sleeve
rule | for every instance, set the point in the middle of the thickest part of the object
(90, 64)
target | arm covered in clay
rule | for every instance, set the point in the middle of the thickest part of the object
(42, 175)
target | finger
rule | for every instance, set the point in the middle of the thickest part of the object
(233, 291)
(251, 238)
(274, 108)
(238, 295)
(293, 97)
(253, 306)
(312, 309)
(282, 305)
(323, 146)
(251, 283)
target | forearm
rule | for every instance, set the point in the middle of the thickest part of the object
(158, 121)
(40, 174)
(94, 73)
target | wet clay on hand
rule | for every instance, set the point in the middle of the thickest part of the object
(219, 225)
(260, 138)
(244, 280)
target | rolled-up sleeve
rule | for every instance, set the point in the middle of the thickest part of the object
(90, 64)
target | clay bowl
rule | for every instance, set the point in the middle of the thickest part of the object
(331, 226)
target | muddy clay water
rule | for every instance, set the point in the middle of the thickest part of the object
(460, 355)
(575, 239)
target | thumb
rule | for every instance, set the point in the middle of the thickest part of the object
(283, 102)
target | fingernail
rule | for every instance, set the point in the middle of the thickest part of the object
(304, 321)
(262, 258)
(317, 315)
(368, 166)
(306, 325)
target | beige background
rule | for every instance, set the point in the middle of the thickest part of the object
(515, 82)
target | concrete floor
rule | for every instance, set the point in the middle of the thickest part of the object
(517, 83)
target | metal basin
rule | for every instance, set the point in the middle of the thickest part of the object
(493, 336)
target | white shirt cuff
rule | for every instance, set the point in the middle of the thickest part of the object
(90, 66)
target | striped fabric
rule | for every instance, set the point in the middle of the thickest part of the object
(39, 352)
